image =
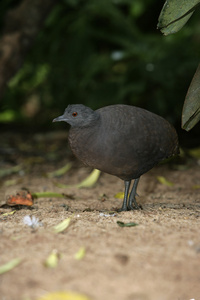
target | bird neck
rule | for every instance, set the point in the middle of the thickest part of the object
(91, 121)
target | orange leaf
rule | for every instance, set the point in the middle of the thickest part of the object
(21, 198)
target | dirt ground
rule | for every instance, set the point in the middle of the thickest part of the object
(157, 260)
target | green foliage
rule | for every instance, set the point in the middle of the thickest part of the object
(175, 14)
(191, 108)
(104, 52)
(173, 17)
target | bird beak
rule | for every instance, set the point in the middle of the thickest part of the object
(60, 118)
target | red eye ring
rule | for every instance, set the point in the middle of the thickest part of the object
(74, 114)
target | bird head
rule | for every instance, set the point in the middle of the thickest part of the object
(78, 115)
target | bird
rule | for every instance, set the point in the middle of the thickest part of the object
(122, 140)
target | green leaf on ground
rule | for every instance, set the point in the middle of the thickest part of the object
(164, 181)
(60, 171)
(10, 265)
(49, 195)
(52, 259)
(9, 171)
(88, 182)
(80, 254)
(130, 224)
(62, 225)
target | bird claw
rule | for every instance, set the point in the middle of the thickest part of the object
(131, 207)
(136, 205)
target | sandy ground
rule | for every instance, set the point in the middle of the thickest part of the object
(157, 260)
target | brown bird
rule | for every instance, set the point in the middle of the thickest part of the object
(121, 140)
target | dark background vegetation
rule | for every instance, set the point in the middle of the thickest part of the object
(99, 53)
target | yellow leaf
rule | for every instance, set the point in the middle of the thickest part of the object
(164, 181)
(64, 296)
(10, 265)
(119, 195)
(10, 213)
(62, 225)
(80, 254)
(52, 259)
(90, 180)
(196, 187)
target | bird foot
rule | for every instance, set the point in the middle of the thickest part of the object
(130, 207)
(122, 209)
(136, 207)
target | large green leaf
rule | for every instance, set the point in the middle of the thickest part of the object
(191, 107)
(174, 15)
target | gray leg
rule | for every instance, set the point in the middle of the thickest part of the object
(127, 186)
(132, 196)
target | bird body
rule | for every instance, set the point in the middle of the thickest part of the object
(125, 141)
(122, 140)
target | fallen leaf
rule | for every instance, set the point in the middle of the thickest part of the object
(130, 224)
(88, 182)
(52, 259)
(196, 187)
(63, 296)
(9, 171)
(9, 213)
(119, 195)
(11, 182)
(21, 198)
(164, 181)
(62, 225)
(10, 265)
(60, 171)
(49, 195)
(80, 254)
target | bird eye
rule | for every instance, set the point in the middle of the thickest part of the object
(74, 114)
